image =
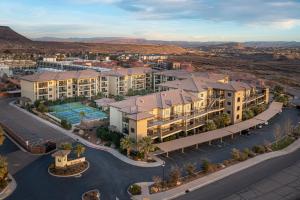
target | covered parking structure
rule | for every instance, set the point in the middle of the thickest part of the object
(195, 140)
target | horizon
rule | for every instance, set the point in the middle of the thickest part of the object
(166, 20)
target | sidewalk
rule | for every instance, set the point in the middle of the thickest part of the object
(9, 189)
(196, 184)
(92, 145)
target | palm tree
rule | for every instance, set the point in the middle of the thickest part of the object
(3, 169)
(80, 149)
(82, 115)
(66, 146)
(146, 146)
(127, 143)
(2, 136)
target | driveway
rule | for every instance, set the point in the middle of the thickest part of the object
(107, 173)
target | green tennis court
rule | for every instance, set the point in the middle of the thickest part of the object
(71, 112)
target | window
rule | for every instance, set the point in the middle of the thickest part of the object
(238, 108)
(239, 99)
(50, 96)
(201, 95)
(229, 94)
(132, 130)
(238, 117)
(50, 89)
(228, 112)
(229, 103)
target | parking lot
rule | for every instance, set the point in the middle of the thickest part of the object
(219, 151)
(28, 128)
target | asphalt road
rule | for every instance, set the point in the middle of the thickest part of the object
(107, 173)
(242, 180)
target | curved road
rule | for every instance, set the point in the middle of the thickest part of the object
(263, 181)
(107, 173)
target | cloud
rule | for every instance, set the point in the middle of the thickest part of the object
(244, 12)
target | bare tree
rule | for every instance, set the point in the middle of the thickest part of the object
(288, 127)
(277, 133)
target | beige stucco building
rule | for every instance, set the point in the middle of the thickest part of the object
(184, 106)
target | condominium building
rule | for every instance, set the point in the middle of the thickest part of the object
(157, 115)
(183, 107)
(54, 85)
(171, 75)
(123, 79)
(232, 95)
(57, 85)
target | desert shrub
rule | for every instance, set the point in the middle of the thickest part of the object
(135, 189)
(249, 153)
(243, 156)
(259, 149)
(208, 167)
(190, 169)
(235, 154)
(226, 163)
(174, 176)
(65, 124)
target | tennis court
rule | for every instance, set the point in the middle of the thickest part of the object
(71, 112)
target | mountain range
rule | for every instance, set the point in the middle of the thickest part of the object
(126, 40)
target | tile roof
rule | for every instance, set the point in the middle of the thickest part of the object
(162, 100)
(48, 76)
(129, 71)
(183, 74)
(200, 84)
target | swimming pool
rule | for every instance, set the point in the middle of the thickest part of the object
(71, 112)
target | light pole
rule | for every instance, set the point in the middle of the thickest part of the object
(163, 170)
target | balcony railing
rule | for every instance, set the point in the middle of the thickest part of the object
(185, 116)
(175, 129)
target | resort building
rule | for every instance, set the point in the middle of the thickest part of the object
(171, 75)
(57, 85)
(184, 106)
(123, 79)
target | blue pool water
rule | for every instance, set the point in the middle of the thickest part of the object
(71, 112)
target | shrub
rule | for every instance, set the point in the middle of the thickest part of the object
(174, 176)
(65, 124)
(259, 149)
(103, 134)
(226, 163)
(249, 153)
(208, 167)
(210, 125)
(190, 169)
(135, 189)
(243, 156)
(157, 181)
(42, 108)
(235, 154)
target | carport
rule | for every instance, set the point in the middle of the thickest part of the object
(209, 136)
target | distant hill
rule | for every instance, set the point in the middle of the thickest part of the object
(7, 35)
(214, 44)
(14, 42)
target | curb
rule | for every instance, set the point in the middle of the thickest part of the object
(216, 176)
(10, 188)
(69, 176)
(91, 145)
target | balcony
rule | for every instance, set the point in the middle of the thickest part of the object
(84, 82)
(253, 98)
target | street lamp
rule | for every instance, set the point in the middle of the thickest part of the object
(163, 168)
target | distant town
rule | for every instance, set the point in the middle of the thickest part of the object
(152, 120)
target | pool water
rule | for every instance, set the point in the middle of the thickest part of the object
(71, 112)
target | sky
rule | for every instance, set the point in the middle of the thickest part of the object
(186, 20)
